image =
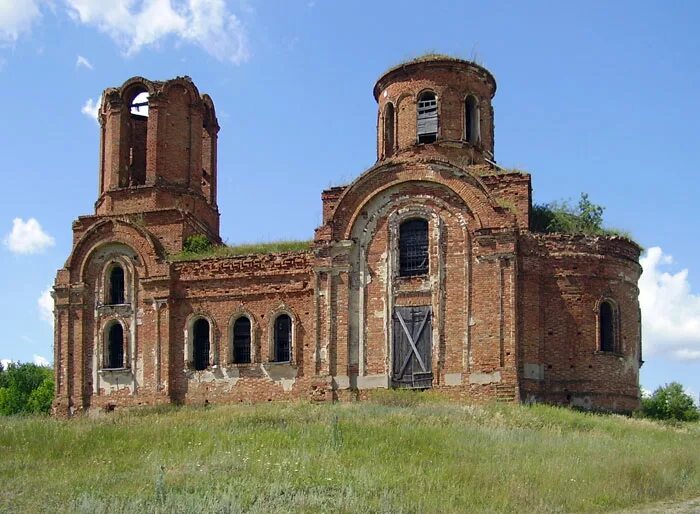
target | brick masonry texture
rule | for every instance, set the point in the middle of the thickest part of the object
(515, 316)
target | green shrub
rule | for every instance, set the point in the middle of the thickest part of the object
(670, 402)
(41, 398)
(25, 388)
(585, 218)
(197, 243)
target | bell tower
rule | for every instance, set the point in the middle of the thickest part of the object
(158, 149)
(436, 104)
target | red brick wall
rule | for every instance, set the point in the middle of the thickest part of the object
(514, 314)
(562, 281)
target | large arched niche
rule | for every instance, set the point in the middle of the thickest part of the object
(373, 273)
(464, 184)
(116, 232)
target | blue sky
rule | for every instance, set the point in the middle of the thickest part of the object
(600, 97)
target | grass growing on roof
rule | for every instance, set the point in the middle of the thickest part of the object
(400, 452)
(212, 251)
(432, 56)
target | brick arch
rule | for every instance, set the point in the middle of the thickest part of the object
(468, 187)
(210, 120)
(138, 82)
(192, 91)
(126, 91)
(121, 232)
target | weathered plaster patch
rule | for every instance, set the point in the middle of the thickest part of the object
(287, 384)
(485, 378)
(283, 374)
(115, 380)
(453, 379)
(534, 371)
(341, 382)
(583, 402)
(373, 382)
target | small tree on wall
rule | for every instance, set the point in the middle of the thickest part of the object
(585, 218)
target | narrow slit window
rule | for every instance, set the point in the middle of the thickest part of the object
(472, 122)
(389, 137)
(607, 327)
(241, 341)
(427, 117)
(116, 286)
(283, 338)
(200, 344)
(114, 356)
(413, 248)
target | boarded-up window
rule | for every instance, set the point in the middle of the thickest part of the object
(389, 138)
(413, 247)
(200, 344)
(472, 123)
(412, 349)
(116, 286)
(427, 117)
(283, 338)
(114, 354)
(241, 340)
(607, 327)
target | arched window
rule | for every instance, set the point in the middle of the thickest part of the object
(427, 117)
(389, 137)
(138, 134)
(283, 338)
(413, 247)
(116, 286)
(114, 351)
(606, 322)
(472, 122)
(200, 344)
(241, 340)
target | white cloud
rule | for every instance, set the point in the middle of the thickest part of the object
(27, 237)
(92, 108)
(16, 17)
(83, 62)
(670, 311)
(45, 303)
(135, 25)
(40, 361)
(5, 363)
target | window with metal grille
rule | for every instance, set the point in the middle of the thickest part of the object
(389, 130)
(472, 129)
(116, 285)
(200, 344)
(413, 248)
(427, 117)
(283, 338)
(607, 327)
(114, 356)
(241, 341)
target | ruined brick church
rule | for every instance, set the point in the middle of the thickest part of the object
(424, 272)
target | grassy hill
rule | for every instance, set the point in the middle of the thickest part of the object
(401, 452)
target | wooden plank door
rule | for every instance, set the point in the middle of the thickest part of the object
(412, 348)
